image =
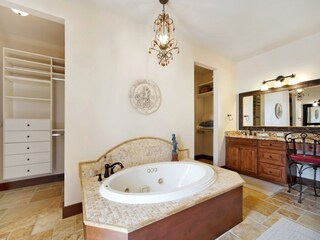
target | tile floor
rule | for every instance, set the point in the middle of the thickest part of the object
(35, 213)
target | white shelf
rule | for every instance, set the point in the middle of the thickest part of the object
(27, 64)
(28, 98)
(58, 79)
(58, 75)
(205, 84)
(206, 94)
(204, 129)
(15, 78)
(28, 71)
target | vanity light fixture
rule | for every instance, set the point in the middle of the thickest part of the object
(278, 82)
(164, 43)
(19, 12)
(316, 103)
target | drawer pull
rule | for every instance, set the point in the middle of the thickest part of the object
(28, 148)
(270, 172)
(28, 170)
(28, 125)
(28, 159)
(28, 136)
(270, 144)
(270, 156)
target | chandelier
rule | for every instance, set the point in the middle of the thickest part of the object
(163, 43)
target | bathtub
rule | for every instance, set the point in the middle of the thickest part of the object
(157, 182)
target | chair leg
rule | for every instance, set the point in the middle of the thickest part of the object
(315, 181)
(290, 178)
(300, 181)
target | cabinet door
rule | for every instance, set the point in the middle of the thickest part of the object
(248, 160)
(232, 159)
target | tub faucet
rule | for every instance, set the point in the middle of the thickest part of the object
(110, 168)
(114, 165)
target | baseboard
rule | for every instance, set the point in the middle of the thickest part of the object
(71, 210)
(203, 156)
(31, 182)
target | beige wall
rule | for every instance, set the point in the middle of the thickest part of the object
(105, 55)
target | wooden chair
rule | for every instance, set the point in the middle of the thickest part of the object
(303, 152)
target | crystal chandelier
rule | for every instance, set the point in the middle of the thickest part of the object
(163, 43)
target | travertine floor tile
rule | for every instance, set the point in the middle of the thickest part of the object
(248, 229)
(21, 233)
(260, 206)
(47, 235)
(228, 236)
(45, 194)
(46, 221)
(14, 225)
(310, 220)
(256, 194)
(272, 219)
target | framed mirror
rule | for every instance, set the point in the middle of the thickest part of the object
(295, 107)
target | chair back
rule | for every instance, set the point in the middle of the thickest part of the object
(303, 143)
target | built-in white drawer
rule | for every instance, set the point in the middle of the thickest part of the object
(20, 148)
(26, 170)
(26, 136)
(26, 159)
(26, 124)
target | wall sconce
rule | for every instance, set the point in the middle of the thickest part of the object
(279, 82)
(229, 116)
(316, 103)
(164, 43)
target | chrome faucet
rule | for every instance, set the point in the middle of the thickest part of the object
(110, 168)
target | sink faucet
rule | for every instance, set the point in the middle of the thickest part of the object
(110, 168)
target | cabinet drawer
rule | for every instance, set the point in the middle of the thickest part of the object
(272, 157)
(241, 142)
(276, 145)
(26, 159)
(26, 170)
(26, 124)
(272, 172)
(32, 147)
(26, 136)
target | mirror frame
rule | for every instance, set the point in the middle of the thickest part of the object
(275, 128)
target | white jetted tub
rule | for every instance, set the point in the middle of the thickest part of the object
(157, 182)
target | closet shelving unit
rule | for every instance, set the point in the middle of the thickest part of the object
(208, 85)
(29, 112)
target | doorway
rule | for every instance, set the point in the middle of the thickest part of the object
(203, 113)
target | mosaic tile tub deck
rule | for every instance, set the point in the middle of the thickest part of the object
(102, 213)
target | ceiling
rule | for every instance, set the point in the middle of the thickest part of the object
(237, 29)
(31, 27)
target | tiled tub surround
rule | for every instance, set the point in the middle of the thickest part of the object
(120, 220)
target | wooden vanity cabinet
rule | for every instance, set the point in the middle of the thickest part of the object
(241, 155)
(272, 162)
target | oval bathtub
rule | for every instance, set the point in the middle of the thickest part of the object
(157, 182)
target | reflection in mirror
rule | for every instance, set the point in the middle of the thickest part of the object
(281, 108)
(311, 115)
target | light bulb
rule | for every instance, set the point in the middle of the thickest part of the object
(20, 13)
(277, 84)
(299, 90)
(292, 81)
(264, 87)
(163, 39)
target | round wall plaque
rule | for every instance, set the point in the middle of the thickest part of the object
(145, 96)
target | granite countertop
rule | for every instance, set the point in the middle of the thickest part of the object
(267, 136)
(102, 213)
